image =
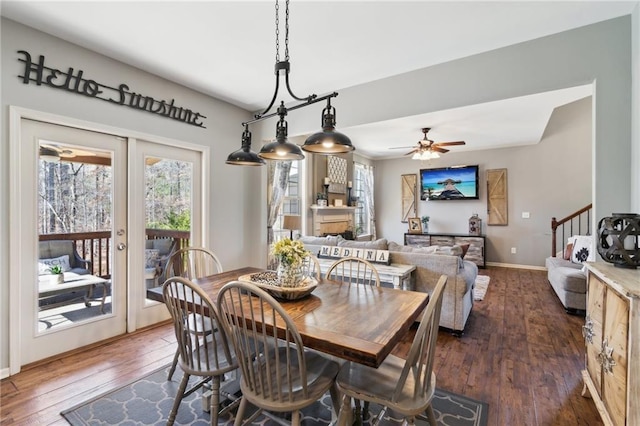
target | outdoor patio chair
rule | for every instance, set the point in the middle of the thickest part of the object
(56, 251)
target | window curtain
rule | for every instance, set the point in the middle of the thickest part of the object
(279, 179)
(368, 197)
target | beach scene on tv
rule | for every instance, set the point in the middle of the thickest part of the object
(449, 183)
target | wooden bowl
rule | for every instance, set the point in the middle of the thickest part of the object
(268, 281)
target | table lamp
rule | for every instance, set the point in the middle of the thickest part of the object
(291, 223)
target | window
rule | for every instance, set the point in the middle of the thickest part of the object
(291, 203)
(362, 219)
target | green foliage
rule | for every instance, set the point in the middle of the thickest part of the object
(177, 221)
(55, 269)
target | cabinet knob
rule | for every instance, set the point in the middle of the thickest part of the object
(605, 357)
(587, 329)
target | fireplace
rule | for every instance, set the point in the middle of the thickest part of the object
(333, 221)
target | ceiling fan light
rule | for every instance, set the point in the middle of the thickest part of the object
(49, 155)
(435, 155)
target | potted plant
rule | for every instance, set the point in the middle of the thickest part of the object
(57, 273)
(321, 199)
(425, 224)
(291, 256)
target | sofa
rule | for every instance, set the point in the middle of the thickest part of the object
(568, 275)
(430, 264)
(157, 253)
(62, 253)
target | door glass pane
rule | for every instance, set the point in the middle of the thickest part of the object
(74, 226)
(168, 212)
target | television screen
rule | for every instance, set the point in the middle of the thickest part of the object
(449, 183)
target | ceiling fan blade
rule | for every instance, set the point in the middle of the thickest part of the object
(402, 147)
(437, 148)
(411, 152)
(450, 143)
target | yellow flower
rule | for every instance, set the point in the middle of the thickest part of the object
(289, 253)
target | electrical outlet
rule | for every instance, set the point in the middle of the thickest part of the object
(526, 215)
(513, 250)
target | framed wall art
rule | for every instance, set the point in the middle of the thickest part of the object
(337, 173)
(415, 225)
(409, 200)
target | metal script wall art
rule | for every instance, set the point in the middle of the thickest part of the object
(72, 81)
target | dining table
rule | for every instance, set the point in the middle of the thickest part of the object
(351, 321)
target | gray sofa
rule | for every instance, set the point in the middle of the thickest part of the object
(458, 296)
(50, 251)
(569, 281)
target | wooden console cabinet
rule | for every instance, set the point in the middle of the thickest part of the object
(476, 243)
(612, 339)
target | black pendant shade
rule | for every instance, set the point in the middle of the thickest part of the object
(328, 141)
(281, 148)
(244, 156)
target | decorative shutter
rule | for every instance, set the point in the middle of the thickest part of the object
(497, 199)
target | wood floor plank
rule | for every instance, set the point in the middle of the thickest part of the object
(520, 352)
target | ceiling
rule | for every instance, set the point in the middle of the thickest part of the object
(226, 49)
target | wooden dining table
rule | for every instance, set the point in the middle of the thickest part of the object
(351, 321)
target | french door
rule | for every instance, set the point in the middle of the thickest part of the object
(69, 187)
(107, 195)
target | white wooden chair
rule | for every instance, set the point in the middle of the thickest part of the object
(405, 386)
(202, 353)
(311, 267)
(354, 270)
(283, 377)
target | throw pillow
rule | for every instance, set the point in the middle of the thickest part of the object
(45, 264)
(465, 248)
(455, 250)
(568, 250)
(151, 258)
(582, 249)
(380, 244)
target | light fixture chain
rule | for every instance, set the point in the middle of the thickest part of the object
(277, 32)
(286, 32)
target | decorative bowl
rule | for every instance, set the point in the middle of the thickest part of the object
(268, 281)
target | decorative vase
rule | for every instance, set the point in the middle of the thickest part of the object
(289, 276)
(475, 225)
(322, 203)
(425, 227)
(618, 239)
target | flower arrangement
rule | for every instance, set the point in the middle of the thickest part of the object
(289, 253)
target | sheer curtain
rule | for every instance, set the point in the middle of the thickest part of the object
(368, 197)
(279, 179)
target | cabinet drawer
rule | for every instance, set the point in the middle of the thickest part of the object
(417, 240)
(441, 240)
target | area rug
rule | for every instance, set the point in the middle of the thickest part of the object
(480, 288)
(148, 401)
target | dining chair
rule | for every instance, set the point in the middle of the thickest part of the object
(311, 267)
(354, 270)
(405, 386)
(202, 352)
(191, 263)
(284, 377)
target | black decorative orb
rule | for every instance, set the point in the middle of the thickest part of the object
(618, 238)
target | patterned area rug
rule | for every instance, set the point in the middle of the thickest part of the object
(148, 401)
(480, 289)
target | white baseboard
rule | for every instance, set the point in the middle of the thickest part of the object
(4, 373)
(515, 266)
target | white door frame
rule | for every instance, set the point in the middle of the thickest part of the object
(16, 114)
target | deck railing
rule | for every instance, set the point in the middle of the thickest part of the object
(96, 246)
(577, 223)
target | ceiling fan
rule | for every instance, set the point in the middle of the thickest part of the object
(427, 148)
(51, 152)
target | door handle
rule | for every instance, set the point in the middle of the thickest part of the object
(121, 246)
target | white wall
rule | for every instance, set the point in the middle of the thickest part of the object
(541, 181)
(234, 206)
(635, 137)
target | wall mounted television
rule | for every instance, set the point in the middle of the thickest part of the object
(449, 183)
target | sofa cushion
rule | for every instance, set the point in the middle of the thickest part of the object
(330, 240)
(380, 244)
(151, 258)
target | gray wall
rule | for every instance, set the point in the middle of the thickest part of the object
(600, 54)
(551, 178)
(232, 220)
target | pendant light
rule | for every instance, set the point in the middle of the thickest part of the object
(281, 148)
(328, 141)
(244, 156)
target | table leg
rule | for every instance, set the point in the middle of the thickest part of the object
(396, 282)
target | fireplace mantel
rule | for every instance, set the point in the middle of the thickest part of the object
(332, 219)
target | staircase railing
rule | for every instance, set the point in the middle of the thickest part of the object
(578, 223)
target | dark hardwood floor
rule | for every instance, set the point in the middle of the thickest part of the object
(520, 352)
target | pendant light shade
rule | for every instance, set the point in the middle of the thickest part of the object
(244, 156)
(328, 141)
(281, 148)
